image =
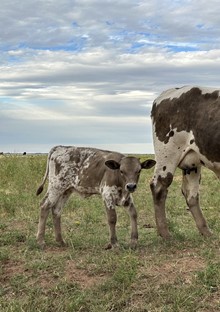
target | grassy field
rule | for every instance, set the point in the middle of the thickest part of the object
(182, 274)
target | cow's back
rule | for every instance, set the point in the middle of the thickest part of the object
(188, 118)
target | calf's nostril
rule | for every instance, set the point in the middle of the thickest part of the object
(131, 187)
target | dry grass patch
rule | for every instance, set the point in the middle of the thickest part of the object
(182, 275)
(82, 277)
(180, 267)
(10, 269)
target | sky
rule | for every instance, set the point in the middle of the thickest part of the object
(86, 72)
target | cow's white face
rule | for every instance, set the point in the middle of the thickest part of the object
(129, 169)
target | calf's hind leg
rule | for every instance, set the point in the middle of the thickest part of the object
(48, 202)
(56, 212)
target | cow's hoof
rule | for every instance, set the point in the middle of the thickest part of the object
(109, 246)
(165, 235)
(112, 246)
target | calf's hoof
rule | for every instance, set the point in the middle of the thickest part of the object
(41, 244)
(165, 234)
(133, 244)
(62, 243)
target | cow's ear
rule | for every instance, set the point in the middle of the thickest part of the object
(112, 164)
(147, 164)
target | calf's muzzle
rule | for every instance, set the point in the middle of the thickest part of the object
(131, 187)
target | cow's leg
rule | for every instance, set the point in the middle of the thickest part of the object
(190, 190)
(48, 202)
(56, 212)
(129, 205)
(159, 188)
(166, 164)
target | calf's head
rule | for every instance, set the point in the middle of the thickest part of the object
(130, 169)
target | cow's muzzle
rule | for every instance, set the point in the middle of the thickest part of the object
(131, 187)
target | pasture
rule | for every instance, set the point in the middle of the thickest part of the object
(182, 274)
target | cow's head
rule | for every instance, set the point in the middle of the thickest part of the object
(130, 168)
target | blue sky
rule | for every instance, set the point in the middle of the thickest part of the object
(86, 72)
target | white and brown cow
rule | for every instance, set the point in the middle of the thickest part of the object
(186, 134)
(89, 171)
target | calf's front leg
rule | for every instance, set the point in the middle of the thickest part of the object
(49, 202)
(129, 205)
(112, 219)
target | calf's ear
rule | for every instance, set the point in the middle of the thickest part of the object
(147, 164)
(112, 164)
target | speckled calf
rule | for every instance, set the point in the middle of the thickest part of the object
(89, 171)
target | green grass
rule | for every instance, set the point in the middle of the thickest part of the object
(182, 274)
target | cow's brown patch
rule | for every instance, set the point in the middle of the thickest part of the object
(192, 111)
(165, 182)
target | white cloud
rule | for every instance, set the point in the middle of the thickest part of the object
(87, 72)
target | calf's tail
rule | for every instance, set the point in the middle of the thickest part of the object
(41, 187)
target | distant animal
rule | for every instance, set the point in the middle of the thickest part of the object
(89, 171)
(24, 153)
(186, 134)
